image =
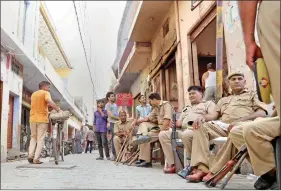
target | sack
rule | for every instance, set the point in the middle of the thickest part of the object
(59, 116)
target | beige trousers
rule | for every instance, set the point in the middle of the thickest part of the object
(226, 152)
(38, 133)
(258, 136)
(145, 148)
(201, 144)
(145, 127)
(165, 140)
(269, 37)
(117, 141)
(187, 137)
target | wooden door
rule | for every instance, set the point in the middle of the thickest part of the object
(10, 123)
(171, 84)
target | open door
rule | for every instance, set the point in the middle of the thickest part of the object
(10, 123)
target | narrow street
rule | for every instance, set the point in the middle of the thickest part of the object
(92, 174)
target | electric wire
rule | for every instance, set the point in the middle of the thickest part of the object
(95, 94)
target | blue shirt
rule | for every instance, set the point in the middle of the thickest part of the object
(143, 111)
(113, 108)
(100, 121)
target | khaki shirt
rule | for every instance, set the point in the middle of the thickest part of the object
(165, 110)
(122, 127)
(191, 112)
(233, 107)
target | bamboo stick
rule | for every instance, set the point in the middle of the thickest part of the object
(134, 159)
(133, 154)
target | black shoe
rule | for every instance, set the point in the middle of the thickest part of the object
(274, 186)
(99, 158)
(30, 160)
(264, 182)
(139, 161)
(145, 164)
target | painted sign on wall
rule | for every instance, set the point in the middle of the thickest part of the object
(124, 99)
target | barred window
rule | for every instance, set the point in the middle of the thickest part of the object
(15, 68)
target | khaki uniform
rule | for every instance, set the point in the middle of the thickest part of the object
(230, 109)
(120, 127)
(259, 133)
(258, 136)
(189, 113)
(165, 110)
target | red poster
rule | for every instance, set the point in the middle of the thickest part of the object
(125, 99)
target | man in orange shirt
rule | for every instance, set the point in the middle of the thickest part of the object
(40, 100)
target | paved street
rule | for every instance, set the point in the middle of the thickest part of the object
(92, 174)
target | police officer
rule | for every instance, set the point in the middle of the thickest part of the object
(198, 107)
(240, 106)
(121, 129)
(258, 135)
(158, 120)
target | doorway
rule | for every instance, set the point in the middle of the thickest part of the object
(170, 81)
(25, 129)
(203, 47)
(10, 123)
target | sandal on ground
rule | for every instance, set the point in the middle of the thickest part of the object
(37, 162)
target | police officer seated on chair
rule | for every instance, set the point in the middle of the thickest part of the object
(197, 107)
(240, 106)
(158, 120)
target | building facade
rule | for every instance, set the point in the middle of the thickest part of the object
(170, 43)
(31, 52)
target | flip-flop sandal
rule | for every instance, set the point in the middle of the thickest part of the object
(262, 81)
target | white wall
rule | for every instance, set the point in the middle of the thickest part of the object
(12, 20)
(12, 86)
(5, 108)
(10, 16)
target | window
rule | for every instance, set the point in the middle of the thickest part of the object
(166, 28)
(195, 3)
(15, 68)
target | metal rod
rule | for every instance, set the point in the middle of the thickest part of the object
(219, 51)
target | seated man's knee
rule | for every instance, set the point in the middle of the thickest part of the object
(247, 131)
(162, 136)
(235, 130)
(187, 134)
(116, 139)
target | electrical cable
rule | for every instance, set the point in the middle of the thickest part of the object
(95, 94)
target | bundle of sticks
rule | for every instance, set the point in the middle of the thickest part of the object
(127, 153)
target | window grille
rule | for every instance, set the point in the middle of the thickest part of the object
(15, 68)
